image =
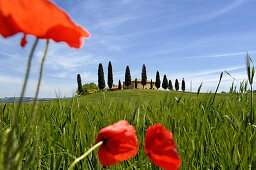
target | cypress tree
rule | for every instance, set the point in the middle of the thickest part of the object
(79, 84)
(110, 75)
(136, 83)
(151, 84)
(127, 77)
(165, 82)
(176, 85)
(119, 85)
(183, 85)
(170, 87)
(101, 80)
(144, 76)
(158, 81)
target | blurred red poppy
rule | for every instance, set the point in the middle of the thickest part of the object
(160, 147)
(40, 18)
(119, 143)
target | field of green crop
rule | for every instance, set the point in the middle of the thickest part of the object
(208, 135)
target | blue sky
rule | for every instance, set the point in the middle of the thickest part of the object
(191, 39)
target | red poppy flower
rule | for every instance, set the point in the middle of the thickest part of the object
(40, 18)
(160, 147)
(120, 143)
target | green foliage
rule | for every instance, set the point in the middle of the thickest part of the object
(207, 136)
(183, 85)
(221, 75)
(90, 88)
(136, 83)
(250, 73)
(127, 77)
(101, 80)
(158, 81)
(110, 75)
(170, 87)
(165, 82)
(144, 76)
(232, 89)
(199, 89)
(177, 86)
(79, 84)
(119, 85)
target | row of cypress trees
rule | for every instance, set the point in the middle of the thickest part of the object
(101, 80)
(128, 82)
(168, 85)
(165, 83)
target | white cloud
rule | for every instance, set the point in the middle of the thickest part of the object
(10, 79)
(210, 78)
(70, 61)
(113, 21)
(88, 77)
(59, 75)
(219, 55)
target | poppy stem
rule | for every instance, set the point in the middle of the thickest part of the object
(25, 81)
(40, 78)
(28, 133)
(85, 154)
(10, 141)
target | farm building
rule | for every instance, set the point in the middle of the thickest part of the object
(139, 85)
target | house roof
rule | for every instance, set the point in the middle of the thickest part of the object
(139, 80)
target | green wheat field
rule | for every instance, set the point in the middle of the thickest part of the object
(209, 133)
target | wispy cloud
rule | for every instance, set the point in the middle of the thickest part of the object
(208, 72)
(59, 75)
(88, 77)
(11, 55)
(111, 22)
(214, 14)
(177, 21)
(10, 79)
(218, 55)
(70, 61)
(210, 78)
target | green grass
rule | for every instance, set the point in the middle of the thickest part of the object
(207, 136)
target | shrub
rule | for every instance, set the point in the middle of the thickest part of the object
(90, 88)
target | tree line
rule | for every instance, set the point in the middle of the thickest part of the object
(101, 81)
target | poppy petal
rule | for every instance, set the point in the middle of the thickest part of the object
(23, 41)
(120, 143)
(40, 18)
(160, 147)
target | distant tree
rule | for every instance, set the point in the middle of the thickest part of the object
(165, 82)
(170, 87)
(127, 77)
(176, 85)
(151, 84)
(158, 81)
(79, 84)
(101, 80)
(119, 85)
(144, 76)
(110, 75)
(183, 85)
(136, 83)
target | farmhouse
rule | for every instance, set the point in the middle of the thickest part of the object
(139, 85)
